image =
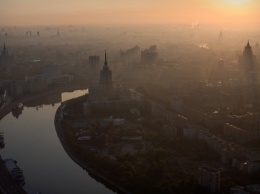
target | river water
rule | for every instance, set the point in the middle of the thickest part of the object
(31, 139)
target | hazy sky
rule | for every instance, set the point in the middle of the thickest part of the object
(223, 12)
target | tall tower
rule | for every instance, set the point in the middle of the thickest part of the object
(247, 62)
(5, 60)
(4, 51)
(106, 76)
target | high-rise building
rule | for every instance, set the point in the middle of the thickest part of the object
(209, 178)
(4, 51)
(5, 59)
(94, 65)
(248, 62)
(149, 56)
(106, 76)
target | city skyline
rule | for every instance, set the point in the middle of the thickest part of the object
(221, 12)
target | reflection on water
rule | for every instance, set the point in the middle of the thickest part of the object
(17, 112)
(31, 139)
(46, 100)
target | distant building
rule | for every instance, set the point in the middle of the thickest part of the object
(240, 163)
(51, 74)
(253, 167)
(106, 77)
(4, 51)
(149, 56)
(5, 61)
(4, 58)
(105, 100)
(220, 36)
(32, 87)
(17, 89)
(177, 104)
(115, 106)
(247, 62)
(51, 71)
(240, 135)
(58, 32)
(209, 178)
(94, 65)
(61, 79)
(28, 33)
(236, 133)
(190, 132)
(169, 131)
(130, 55)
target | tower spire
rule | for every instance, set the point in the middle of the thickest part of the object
(4, 51)
(248, 45)
(105, 58)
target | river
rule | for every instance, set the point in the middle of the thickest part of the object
(31, 139)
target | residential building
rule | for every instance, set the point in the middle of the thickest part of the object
(209, 178)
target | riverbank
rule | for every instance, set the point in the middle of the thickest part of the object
(99, 177)
(7, 185)
(8, 108)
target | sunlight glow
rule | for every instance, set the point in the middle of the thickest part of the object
(41, 12)
(238, 2)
